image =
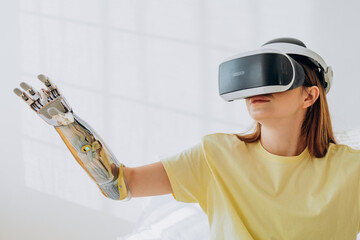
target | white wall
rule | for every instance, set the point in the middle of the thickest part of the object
(144, 75)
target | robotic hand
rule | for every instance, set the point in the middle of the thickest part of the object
(86, 146)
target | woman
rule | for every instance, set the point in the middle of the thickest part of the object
(287, 180)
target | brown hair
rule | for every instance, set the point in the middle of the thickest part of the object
(316, 128)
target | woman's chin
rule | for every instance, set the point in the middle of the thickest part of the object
(259, 116)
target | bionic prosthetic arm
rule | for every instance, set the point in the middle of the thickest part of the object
(86, 146)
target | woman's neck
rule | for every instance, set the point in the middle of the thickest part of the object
(283, 139)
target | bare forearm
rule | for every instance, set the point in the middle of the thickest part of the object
(148, 180)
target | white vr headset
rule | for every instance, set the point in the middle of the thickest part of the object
(270, 69)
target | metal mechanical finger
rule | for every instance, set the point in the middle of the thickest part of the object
(33, 94)
(50, 85)
(46, 94)
(27, 99)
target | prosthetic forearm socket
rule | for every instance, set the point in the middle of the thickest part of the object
(86, 146)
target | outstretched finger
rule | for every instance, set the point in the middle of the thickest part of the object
(34, 94)
(27, 99)
(50, 85)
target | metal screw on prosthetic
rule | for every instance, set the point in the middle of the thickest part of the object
(89, 150)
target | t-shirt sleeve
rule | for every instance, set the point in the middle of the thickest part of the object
(189, 174)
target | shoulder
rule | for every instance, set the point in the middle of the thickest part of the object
(343, 150)
(343, 147)
(342, 157)
(219, 138)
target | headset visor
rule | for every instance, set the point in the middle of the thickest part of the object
(259, 73)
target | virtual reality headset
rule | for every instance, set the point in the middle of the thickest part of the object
(270, 69)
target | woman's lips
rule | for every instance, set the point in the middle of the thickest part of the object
(259, 99)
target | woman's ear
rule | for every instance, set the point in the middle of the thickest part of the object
(311, 95)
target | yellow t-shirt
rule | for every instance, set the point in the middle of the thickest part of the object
(249, 193)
